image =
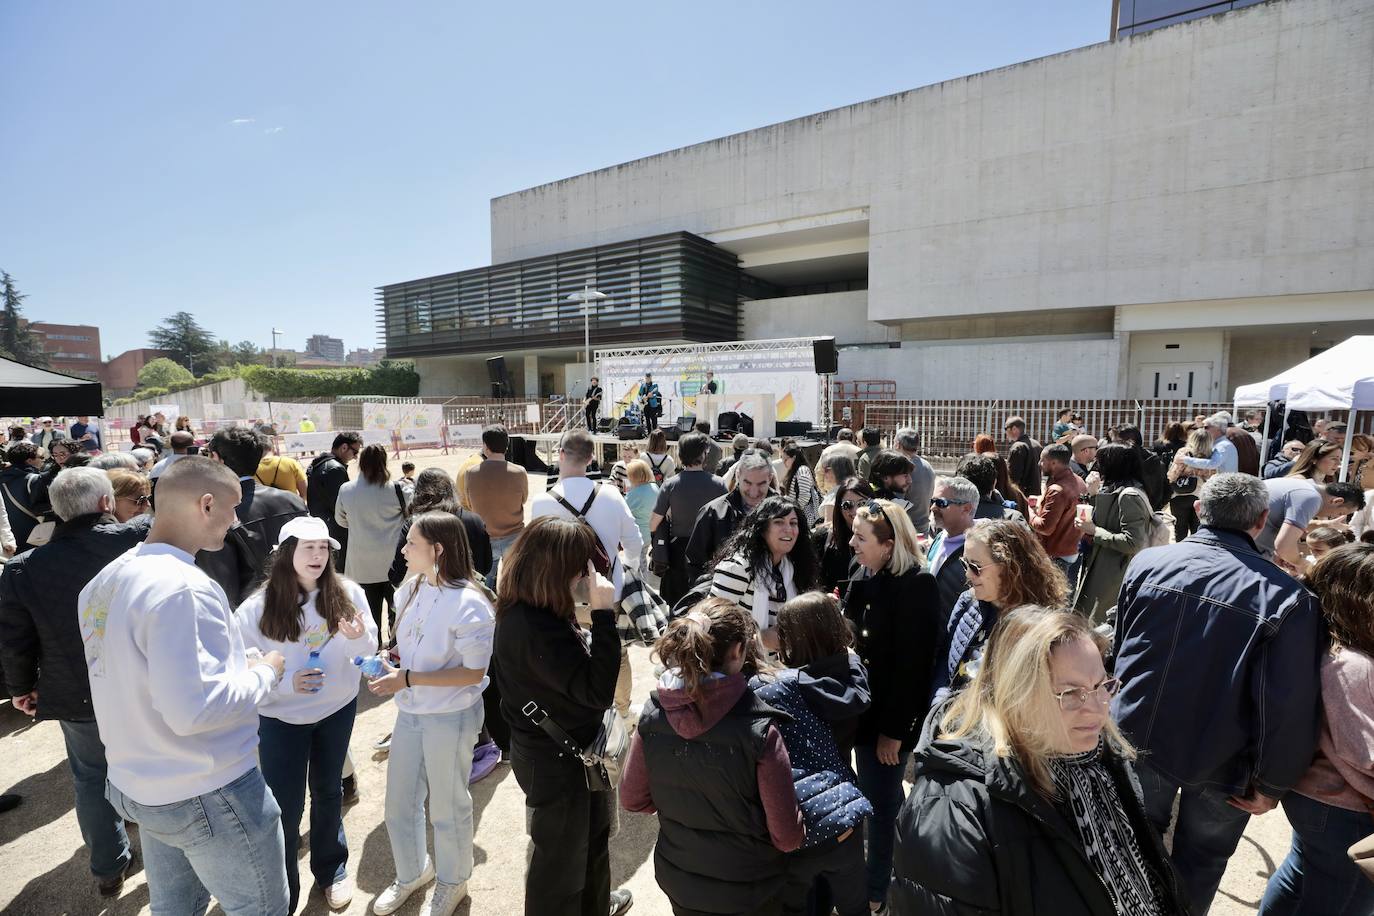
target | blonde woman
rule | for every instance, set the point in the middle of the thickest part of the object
(1185, 482)
(1025, 782)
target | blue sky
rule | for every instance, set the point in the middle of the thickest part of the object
(269, 163)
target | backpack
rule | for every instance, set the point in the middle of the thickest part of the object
(657, 468)
(600, 559)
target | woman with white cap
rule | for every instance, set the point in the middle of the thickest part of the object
(318, 621)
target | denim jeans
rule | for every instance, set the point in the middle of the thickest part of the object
(101, 829)
(227, 843)
(499, 546)
(1205, 835)
(431, 755)
(1070, 570)
(294, 756)
(1318, 878)
(881, 784)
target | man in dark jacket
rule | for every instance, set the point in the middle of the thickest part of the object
(44, 654)
(1023, 456)
(719, 518)
(1218, 656)
(1154, 475)
(981, 471)
(25, 490)
(240, 564)
(952, 509)
(327, 473)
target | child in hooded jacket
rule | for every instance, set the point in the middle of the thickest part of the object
(709, 758)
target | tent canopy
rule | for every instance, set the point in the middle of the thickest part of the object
(1330, 380)
(30, 391)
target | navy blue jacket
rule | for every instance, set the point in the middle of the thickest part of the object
(966, 633)
(1218, 652)
(830, 801)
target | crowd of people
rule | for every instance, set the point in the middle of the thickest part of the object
(1071, 650)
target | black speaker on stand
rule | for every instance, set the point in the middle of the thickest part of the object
(497, 375)
(825, 356)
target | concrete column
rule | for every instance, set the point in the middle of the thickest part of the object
(531, 376)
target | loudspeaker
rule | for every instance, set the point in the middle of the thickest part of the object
(630, 431)
(685, 424)
(728, 422)
(825, 356)
(746, 425)
(496, 373)
(792, 428)
(671, 433)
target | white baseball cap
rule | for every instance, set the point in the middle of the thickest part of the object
(307, 528)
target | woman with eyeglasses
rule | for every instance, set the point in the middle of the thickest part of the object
(1006, 566)
(1119, 529)
(767, 562)
(897, 628)
(837, 564)
(133, 494)
(1025, 799)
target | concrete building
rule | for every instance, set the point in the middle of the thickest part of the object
(1132, 17)
(1169, 214)
(325, 347)
(71, 348)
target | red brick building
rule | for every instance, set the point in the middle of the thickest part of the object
(121, 373)
(71, 348)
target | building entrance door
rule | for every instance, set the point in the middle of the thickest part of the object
(1175, 380)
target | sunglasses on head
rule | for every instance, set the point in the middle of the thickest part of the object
(944, 503)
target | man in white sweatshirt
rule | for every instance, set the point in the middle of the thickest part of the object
(176, 698)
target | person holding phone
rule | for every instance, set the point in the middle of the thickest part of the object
(318, 621)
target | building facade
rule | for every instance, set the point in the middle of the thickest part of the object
(120, 374)
(71, 348)
(1170, 214)
(325, 347)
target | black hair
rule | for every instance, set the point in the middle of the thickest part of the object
(703, 427)
(239, 448)
(1059, 452)
(871, 436)
(750, 541)
(691, 449)
(495, 439)
(353, 439)
(1119, 465)
(407, 466)
(1348, 491)
(434, 492)
(1064, 410)
(888, 464)
(840, 532)
(979, 470)
(1127, 432)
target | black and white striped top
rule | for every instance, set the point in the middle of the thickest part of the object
(734, 581)
(1105, 830)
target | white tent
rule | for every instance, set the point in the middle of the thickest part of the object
(1350, 359)
(1341, 378)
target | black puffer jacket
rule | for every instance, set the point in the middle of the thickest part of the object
(40, 632)
(323, 479)
(974, 837)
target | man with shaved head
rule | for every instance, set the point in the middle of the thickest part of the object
(175, 697)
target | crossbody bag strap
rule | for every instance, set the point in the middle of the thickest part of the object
(400, 497)
(22, 508)
(551, 728)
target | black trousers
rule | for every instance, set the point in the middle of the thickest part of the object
(591, 411)
(771, 908)
(830, 876)
(651, 415)
(1184, 510)
(675, 582)
(570, 829)
(376, 593)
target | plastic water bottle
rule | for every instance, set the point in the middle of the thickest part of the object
(372, 665)
(314, 662)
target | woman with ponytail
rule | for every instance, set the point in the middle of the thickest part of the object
(444, 626)
(709, 759)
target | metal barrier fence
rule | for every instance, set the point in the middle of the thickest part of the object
(948, 427)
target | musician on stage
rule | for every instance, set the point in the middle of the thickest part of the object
(650, 401)
(593, 403)
(711, 387)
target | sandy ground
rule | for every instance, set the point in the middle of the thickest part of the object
(44, 869)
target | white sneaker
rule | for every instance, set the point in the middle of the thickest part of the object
(446, 898)
(390, 900)
(339, 894)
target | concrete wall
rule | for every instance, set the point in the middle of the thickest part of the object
(844, 315)
(1256, 358)
(230, 394)
(1217, 159)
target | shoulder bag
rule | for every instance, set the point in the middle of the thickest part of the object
(603, 758)
(600, 558)
(42, 530)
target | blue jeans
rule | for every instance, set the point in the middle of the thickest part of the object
(1070, 570)
(227, 842)
(431, 755)
(499, 546)
(1317, 878)
(293, 756)
(1205, 835)
(882, 785)
(101, 829)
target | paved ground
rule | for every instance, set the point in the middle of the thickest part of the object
(44, 867)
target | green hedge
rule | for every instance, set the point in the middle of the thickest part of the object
(389, 378)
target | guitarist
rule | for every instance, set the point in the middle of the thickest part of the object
(651, 400)
(593, 405)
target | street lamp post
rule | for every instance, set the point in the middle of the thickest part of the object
(587, 296)
(275, 334)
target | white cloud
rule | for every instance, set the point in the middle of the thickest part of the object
(239, 122)
(274, 130)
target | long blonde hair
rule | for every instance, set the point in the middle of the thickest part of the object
(1199, 444)
(1011, 699)
(890, 523)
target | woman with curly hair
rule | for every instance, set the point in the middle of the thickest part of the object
(766, 562)
(1006, 566)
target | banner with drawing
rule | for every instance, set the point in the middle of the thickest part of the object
(426, 418)
(288, 417)
(789, 375)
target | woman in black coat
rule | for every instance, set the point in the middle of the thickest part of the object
(1025, 801)
(897, 631)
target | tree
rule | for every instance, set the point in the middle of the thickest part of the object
(247, 353)
(17, 340)
(163, 373)
(189, 344)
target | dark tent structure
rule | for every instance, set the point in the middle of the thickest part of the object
(28, 391)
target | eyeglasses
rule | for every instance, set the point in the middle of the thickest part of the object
(975, 568)
(944, 503)
(138, 500)
(1076, 698)
(849, 505)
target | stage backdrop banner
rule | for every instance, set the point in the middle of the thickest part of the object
(402, 417)
(790, 375)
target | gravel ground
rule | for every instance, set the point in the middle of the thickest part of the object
(44, 868)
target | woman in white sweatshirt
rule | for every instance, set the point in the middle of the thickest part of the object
(318, 621)
(444, 629)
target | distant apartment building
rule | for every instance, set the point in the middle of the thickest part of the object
(71, 348)
(323, 346)
(365, 357)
